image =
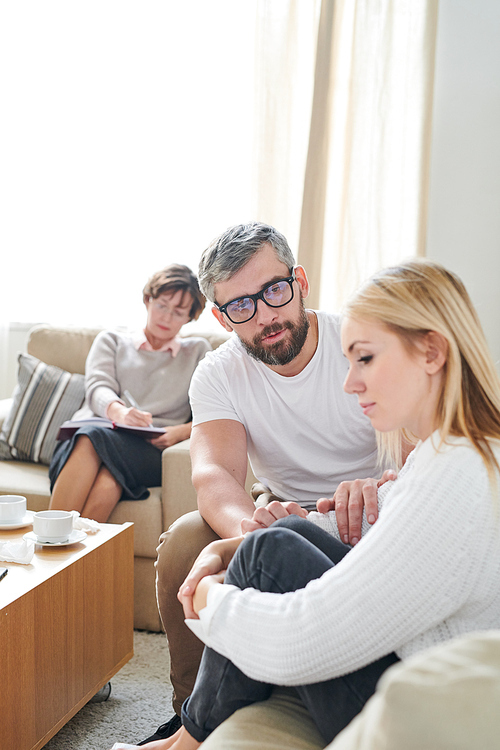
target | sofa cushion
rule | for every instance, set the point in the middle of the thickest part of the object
(28, 479)
(44, 398)
(444, 698)
(66, 348)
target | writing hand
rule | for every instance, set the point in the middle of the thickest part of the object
(136, 417)
(121, 414)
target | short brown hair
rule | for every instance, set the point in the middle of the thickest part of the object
(172, 279)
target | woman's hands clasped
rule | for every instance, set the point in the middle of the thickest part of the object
(209, 568)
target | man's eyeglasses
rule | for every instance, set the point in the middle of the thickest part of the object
(277, 294)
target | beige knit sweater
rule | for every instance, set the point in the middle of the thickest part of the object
(158, 381)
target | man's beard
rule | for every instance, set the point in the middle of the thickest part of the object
(282, 352)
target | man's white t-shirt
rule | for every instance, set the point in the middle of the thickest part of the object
(304, 433)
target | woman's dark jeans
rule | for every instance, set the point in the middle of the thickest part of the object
(284, 557)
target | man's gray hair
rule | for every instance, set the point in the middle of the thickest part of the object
(227, 254)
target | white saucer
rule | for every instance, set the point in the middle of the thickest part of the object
(74, 537)
(26, 521)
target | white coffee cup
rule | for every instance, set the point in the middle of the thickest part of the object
(12, 508)
(53, 525)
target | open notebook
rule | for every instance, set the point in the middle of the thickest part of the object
(67, 429)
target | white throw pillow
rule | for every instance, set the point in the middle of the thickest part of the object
(444, 698)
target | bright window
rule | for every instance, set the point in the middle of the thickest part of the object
(126, 135)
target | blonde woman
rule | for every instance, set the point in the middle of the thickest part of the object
(295, 609)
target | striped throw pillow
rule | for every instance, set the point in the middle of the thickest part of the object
(44, 398)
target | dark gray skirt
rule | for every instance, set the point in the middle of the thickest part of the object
(132, 460)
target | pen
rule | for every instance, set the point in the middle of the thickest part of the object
(131, 400)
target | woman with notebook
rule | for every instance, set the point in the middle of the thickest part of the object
(137, 380)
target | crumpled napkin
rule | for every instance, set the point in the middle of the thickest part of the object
(84, 524)
(18, 552)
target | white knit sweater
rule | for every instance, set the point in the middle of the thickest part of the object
(427, 571)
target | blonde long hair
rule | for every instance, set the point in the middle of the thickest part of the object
(413, 299)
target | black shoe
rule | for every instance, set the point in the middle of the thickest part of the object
(164, 731)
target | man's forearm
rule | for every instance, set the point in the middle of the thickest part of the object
(223, 503)
(219, 461)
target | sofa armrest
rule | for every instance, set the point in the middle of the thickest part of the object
(178, 493)
(5, 404)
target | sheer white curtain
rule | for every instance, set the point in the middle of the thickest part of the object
(382, 89)
(343, 110)
(286, 43)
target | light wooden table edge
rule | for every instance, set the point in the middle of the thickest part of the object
(40, 743)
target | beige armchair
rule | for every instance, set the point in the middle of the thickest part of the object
(67, 348)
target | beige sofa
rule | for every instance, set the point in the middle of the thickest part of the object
(443, 698)
(67, 348)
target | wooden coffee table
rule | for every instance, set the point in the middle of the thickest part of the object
(66, 627)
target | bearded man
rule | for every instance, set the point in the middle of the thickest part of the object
(272, 393)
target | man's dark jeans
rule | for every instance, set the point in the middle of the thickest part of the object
(284, 557)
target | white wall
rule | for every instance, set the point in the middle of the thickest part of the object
(16, 342)
(464, 209)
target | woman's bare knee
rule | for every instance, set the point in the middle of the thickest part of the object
(103, 497)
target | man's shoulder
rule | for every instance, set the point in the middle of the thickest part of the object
(227, 351)
(221, 371)
(329, 320)
(329, 325)
(226, 356)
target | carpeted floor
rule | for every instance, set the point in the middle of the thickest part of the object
(140, 700)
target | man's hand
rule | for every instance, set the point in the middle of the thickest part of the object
(348, 502)
(212, 560)
(264, 517)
